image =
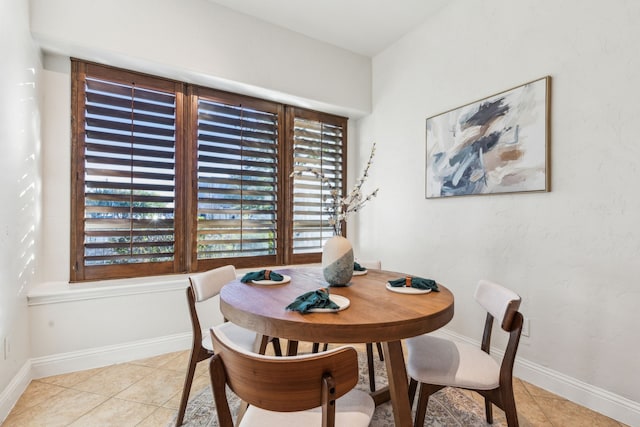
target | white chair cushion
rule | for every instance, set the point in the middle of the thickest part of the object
(208, 284)
(494, 298)
(243, 338)
(439, 361)
(352, 410)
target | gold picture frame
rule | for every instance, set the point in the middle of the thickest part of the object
(499, 144)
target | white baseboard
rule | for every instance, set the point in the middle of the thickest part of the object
(10, 395)
(612, 405)
(64, 363)
(109, 355)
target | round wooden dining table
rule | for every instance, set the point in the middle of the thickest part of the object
(374, 314)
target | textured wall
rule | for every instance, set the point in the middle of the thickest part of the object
(197, 40)
(572, 253)
(20, 189)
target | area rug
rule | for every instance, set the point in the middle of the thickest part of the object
(447, 408)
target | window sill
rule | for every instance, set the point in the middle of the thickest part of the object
(63, 292)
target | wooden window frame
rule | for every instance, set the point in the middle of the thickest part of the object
(193, 263)
(186, 195)
(291, 114)
(78, 270)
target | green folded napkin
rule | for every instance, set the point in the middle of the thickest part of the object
(312, 299)
(358, 267)
(416, 282)
(261, 275)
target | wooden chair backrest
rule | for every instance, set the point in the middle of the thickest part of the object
(193, 316)
(282, 384)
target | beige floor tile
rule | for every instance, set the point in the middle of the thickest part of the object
(202, 368)
(115, 412)
(178, 363)
(157, 361)
(71, 379)
(59, 410)
(529, 413)
(562, 412)
(36, 393)
(535, 391)
(154, 389)
(160, 417)
(174, 401)
(199, 384)
(113, 379)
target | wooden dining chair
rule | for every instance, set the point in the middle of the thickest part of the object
(436, 363)
(306, 390)
(202, 287)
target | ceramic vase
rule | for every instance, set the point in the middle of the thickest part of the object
(337, 261)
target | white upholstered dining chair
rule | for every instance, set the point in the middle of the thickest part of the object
(315, 389)
(202, 287)
(436, 363)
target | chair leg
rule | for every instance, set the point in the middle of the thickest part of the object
(413, 385)
(509, 406)
(380, 353)
(277, 349)
(316, 347)
(186, 389)
(421, 409)
(325, 347)
(488, 410)
(292, 347)
(264, 341)
(372, 375)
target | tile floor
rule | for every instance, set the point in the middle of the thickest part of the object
(147, 393)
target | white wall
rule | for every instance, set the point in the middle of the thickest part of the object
(191, 40)
(20, 189)
(572, 253)
(197, 40)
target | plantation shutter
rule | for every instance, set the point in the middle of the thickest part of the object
(127, 174)
(169, 177)
(319, 143)
(237, 180)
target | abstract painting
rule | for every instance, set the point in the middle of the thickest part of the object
(495, 145)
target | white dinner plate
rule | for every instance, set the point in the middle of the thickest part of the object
(360, 272)
(285, 279)
(406, 290)
(343, 302)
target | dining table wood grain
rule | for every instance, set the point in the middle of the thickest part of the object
(375, 314)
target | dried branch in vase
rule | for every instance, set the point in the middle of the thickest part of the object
(340, 207)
